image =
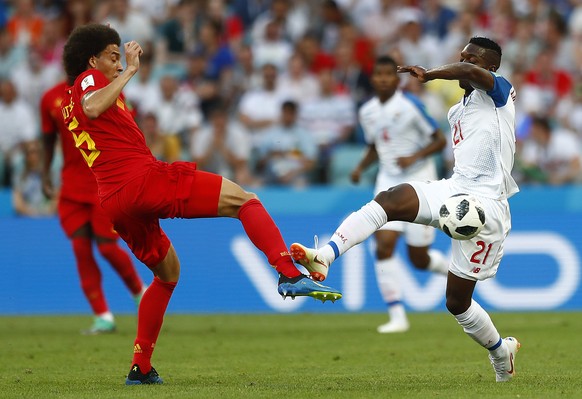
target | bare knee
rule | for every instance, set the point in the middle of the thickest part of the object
(232, 197)
(400, 202)
(168, 269)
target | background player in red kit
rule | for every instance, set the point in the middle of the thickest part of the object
(81, 215)
(136, 190)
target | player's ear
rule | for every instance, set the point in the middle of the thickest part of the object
(93, 61)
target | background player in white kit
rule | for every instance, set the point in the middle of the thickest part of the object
(402, 137)
(483, 136)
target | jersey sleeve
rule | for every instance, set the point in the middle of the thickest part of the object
(89, 81)
(501, 90)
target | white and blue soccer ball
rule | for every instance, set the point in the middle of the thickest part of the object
(462, 217)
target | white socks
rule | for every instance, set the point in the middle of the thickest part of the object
(438, 262)
(107, 316)
(353, 230)
(478, 325)
(388, 280)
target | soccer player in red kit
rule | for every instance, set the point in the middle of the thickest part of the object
(136, 190)
(81, 215)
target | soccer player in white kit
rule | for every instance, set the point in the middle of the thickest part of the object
(402, 137)
(483, 138)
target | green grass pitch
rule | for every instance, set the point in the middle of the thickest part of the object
(290, 356)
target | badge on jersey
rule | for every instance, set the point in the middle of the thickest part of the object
(87, 82)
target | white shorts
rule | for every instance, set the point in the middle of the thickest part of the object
(478, 258)
(416, 235)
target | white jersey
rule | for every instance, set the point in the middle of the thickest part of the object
(483, 137)
(398, 128)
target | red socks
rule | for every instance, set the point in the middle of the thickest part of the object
(89, 274)
(263, 232)
(122, 264)
(150, 317)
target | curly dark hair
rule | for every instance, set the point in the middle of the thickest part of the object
(85, 42)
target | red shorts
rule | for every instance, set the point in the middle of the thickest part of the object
(174, 190)
(74, 215)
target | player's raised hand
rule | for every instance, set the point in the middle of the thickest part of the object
(415, 71)
(132, 53)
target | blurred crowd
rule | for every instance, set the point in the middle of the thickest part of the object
(266, 92)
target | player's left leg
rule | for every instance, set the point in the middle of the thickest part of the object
(150, 319)
(478, 325)
(484, 252)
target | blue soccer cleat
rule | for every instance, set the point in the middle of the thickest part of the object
(136, 377)
(304, 286)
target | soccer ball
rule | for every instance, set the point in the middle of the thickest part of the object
(462, 217)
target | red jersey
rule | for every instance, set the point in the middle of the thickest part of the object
(78, 183)
(111, 144)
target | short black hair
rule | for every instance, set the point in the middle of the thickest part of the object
(385, 60)
(290, 105)
(487, 43)
(85, 42)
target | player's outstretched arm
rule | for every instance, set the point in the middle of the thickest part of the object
(97, 102)
(480, 78)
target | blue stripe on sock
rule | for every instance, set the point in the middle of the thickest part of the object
(333, 245)
(393, 303)
(497, 345)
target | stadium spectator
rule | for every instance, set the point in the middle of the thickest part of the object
(330, 118)
(550, 155)
(80, 214)
(131, 23)
(297, 83)
(350, 75)
(33, 77)
(27, 196)
(569, 109)
(178, 115)
(287, 152)
(222, 146)
(25, 24)
(293, 24)
(10, 55)
(309, 48)
(272, 48)
(414, 47)
(18, 127)
(249, 10)
(231, 24)
(260, 109)
(177, 36)
(136, 190)
(437, 18)
(245, 77)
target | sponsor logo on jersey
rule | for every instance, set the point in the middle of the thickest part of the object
(87, 82)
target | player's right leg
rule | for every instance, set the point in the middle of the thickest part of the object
(397, 203)
(213, 195)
